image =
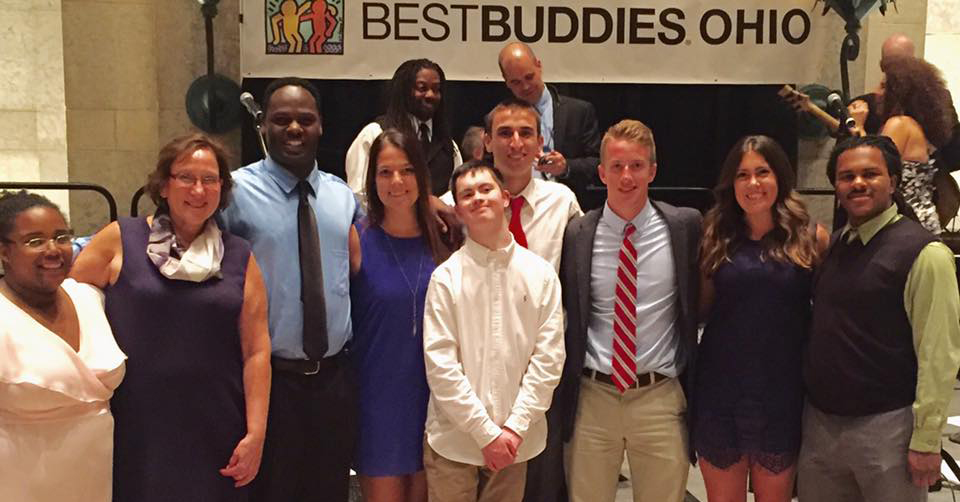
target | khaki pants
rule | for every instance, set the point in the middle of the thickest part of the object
(449, 481)
(856, 459)
(647, 423)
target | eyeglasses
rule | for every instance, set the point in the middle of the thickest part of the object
(189, 180)
(60, 240)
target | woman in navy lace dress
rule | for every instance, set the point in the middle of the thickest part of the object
(758, 251)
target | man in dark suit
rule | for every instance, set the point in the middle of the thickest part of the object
(571, 138)
(630, 287)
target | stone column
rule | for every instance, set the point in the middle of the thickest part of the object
(110, 62)
(33, 137)
(128, 65)
(942, 42)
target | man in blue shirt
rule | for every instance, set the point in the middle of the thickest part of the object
(298, 220)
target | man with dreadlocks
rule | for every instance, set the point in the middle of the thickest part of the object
(414, 107)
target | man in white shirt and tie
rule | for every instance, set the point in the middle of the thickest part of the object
(538, 214)
(494, 351)
(539, 210)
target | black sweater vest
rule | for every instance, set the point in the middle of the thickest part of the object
(860, 358)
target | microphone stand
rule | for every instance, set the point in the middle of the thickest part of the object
(263, 145)
(250, 104)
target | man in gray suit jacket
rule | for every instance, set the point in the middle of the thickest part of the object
(630, 286)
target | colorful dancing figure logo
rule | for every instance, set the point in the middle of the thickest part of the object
(304, 26)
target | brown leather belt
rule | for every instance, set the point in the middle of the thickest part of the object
(643, 379)
(305, 367)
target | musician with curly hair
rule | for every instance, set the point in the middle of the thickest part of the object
(919, 117)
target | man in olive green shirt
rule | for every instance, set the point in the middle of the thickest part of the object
(884, 343)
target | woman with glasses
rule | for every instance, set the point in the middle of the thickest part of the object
(59, 363)
(400, 245)
(187, 305)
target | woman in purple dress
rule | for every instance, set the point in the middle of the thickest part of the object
(400, 246)
(758, 251)
(188, 306)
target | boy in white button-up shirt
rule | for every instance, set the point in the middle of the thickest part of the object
(493, 345)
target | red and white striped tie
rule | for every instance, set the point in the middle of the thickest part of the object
(625, 315)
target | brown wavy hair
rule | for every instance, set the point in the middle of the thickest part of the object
(792, 239)
(915, 88)
(426, 218)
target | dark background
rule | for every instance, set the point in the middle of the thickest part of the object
(694, 125)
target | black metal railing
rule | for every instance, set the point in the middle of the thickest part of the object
(51, 185)
(135, 202)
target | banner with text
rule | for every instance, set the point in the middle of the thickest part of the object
(622, 41)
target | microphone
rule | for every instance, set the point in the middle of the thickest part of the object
(246, 99)
(836, 108)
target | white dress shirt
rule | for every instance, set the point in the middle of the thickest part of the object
(547, 208)
(493, 347)
(358, 155)
(658, 347)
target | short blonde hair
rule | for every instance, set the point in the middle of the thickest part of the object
(630, 130)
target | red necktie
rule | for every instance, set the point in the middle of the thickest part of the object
(516, 204)
(625, 315)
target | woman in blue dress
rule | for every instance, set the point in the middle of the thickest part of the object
(400, 246)
(757, 255)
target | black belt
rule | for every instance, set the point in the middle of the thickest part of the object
(643, 379)
(306, 367)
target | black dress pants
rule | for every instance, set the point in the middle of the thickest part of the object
(546, 479)
(311, 436)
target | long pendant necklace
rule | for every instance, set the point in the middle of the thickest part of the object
(415, 288)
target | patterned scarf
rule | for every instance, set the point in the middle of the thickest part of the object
(197, 263)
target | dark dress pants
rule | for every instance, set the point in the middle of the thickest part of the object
(546, 480)
(311, 436)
